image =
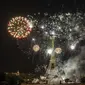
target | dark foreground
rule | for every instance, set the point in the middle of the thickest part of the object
(53, 84)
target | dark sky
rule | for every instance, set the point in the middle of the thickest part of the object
(11, 58)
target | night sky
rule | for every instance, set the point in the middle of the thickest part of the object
(11, 58)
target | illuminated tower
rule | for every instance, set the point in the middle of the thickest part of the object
(52, 63)
(58, 50)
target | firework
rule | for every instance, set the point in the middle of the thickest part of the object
(58, 50)
(66, 28)
(19, 27)
(36, 48)
(60, 34)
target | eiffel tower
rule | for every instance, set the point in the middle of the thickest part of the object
(52, 62)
